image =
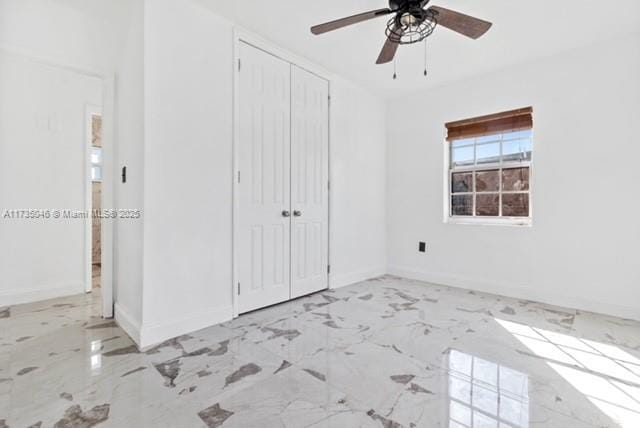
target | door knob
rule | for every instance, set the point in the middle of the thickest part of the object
(286, 213)
(297, 213)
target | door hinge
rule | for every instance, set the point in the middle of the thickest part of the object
(239, 64)
(238, 289)
(238, 176)
(328, 268)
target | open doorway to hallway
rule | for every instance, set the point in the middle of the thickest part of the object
(96, 159)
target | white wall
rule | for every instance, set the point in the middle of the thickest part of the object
(582, 250)
(86, 34)
(129, 136)
(43, 155)
(188, 125)
(188, 172)
(358, 246)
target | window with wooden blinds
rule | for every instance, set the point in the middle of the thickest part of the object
(508, 121)
(490, 168)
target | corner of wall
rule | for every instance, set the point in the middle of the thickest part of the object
(152, 334)
(128, 323)
(342, 280)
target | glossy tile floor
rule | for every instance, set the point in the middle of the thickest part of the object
(384, 353)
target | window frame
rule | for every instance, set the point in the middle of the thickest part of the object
(473, 168)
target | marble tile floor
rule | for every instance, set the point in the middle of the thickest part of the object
(388, 352)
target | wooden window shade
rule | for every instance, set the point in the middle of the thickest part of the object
(509, 121)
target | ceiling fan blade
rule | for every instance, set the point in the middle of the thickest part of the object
(344, 22)
(461, 23)
(388, 51)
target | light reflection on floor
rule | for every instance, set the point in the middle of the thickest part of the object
(607, 376)
(486, 394)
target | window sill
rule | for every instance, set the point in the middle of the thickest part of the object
(514, 222)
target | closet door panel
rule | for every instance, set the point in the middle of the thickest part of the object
(264, 182)
(309, 182)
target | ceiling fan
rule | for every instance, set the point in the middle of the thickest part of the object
(412, 22)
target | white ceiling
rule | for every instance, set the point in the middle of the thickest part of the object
(523, 30)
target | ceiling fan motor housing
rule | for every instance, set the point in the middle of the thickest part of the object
(410, 13)
(407, 5)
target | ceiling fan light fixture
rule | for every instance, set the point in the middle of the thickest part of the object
(412, 27)
(408, 20)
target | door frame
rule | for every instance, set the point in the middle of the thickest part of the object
(243, 36)
(107, 78)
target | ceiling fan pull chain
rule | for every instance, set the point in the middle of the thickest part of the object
(395, 74)
(425, 57)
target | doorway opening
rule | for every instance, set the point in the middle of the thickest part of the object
(99, 201)
(96, 159)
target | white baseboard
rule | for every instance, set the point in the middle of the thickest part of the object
(152, 334)
(524, 293)
(343, 279)
(127, 322)
(44, 292)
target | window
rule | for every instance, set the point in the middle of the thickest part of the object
(96, 164)
(490, 168)
(96, 148)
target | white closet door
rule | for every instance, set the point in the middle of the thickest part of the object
(309, 182)
(264, 189)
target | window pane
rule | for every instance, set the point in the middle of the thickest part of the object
(462, 156)
(489, 138)
(488, 181)
(488, 153)
(515, 179)
(460, 143)
(462, 205)
(96, 156)
(515, 205)
(487, 205)
(517, 135)
(516, 150)
(462, 182)
(96, 173)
